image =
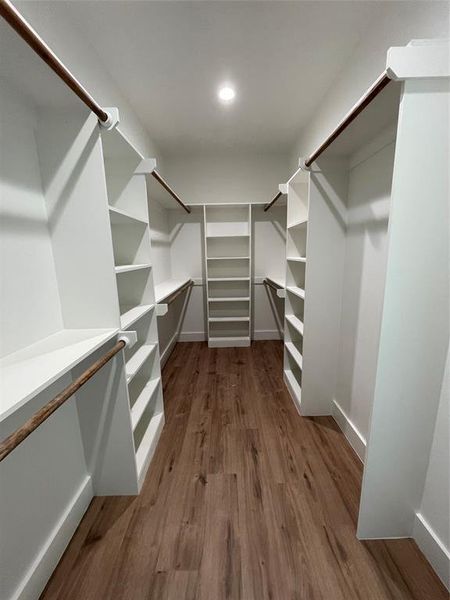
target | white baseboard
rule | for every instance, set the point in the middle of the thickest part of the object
(45, 562)
(432, 547)
(357, 441)
(267, 334)
(192, 336)
(168, 350)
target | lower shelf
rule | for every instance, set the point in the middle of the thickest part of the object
(228, 342)
(131, 314)
(293, 351)
(294, 388)
(143, 400)
(148, 444)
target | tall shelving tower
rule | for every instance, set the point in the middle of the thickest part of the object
(227, 230)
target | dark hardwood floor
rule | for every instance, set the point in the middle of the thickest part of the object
(244, 499)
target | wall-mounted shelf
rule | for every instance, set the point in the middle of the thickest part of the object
(138, 359)
(25, 373)
(120, 217)
(167, 288)
(297, 291)
(228, 278)
(228, 258)
(230, 299)
(131, 315)
(227, 319)
(296, 323)
(143, 400)
(298, 224)
(301, 259)
(128, 268)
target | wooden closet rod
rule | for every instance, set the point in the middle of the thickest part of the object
(27, 33)
(362, 103)
(17, 437)
(167, 187)
(272, 202)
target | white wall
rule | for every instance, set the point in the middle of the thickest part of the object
(366, 248)
(399, 23)
(72, 47)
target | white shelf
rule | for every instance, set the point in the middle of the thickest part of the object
(293, 386)
(166, 288)
(277, 281)
(290, 347)
(228, 235)
(118, 217)
(301, 259)
(227, 342)
(296, 323)
(297, 291)
(298, 224)
(148, 444)
(27, 372)
(228, 258)
(228, 278)
(128, 268)
(143, 400)
(135, 363)
(227, 319)
(133, 314)
(229, 299)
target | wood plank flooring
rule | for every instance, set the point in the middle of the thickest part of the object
(244, 500)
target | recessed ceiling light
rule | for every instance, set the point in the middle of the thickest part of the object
(226, 94)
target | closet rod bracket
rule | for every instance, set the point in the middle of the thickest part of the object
(129, 337)
(113, 118)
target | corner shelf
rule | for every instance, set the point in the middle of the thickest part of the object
(298, 224)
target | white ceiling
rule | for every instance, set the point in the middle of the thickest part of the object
(169, 57)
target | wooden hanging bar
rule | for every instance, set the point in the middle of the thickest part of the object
(167, 187)
(362, 103)
(16, 438)
(272, 202)
(29, 35)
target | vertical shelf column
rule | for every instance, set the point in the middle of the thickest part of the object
(130, 232)
(227, 230)
(296, 236)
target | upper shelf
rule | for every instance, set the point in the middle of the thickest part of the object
(123, 217)
(27, 372)
(165, 289)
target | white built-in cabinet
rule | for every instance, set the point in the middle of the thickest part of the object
(130, 234)
(366, 337)
(228, 249)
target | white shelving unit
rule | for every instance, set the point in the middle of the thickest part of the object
(296, 235)
(228, 273)
(130, 235)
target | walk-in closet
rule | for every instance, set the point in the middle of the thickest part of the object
(224, 300)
